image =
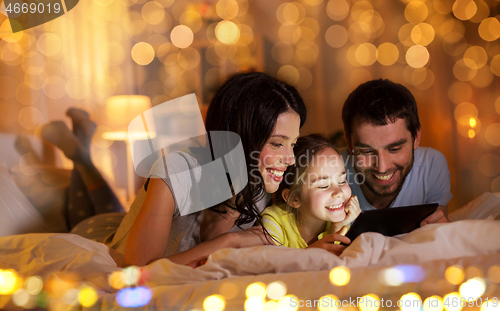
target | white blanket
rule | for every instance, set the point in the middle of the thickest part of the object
(434, 247)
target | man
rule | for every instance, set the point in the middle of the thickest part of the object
(384, 165)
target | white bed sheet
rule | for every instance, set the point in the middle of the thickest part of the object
(305, 272)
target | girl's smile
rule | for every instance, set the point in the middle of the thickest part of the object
(326, 191)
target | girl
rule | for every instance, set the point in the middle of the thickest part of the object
(266, 114)
(315, 201)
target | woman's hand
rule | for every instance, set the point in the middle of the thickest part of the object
(328, 243)
(352, 211)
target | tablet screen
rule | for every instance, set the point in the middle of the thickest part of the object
(391, 221)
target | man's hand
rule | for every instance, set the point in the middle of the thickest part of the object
(436, 217)
(328, 243)
(352, 210)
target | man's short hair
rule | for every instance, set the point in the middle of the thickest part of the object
(380, 102)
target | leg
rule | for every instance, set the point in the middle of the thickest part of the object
(89, 192)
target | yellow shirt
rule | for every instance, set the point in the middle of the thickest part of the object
(283, 229)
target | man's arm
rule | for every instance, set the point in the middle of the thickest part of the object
(439, 188)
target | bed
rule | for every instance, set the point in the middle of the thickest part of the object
(64, 271)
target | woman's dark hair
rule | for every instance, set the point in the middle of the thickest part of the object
(380, 102)
(249, 104)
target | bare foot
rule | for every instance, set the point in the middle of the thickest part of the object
(83, 127)
(57, 133)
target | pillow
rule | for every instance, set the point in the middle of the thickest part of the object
(18, 215)
(46, 188)
(485, 206)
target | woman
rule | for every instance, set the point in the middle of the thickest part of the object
(267, 114)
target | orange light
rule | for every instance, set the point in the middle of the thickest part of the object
(472, 122)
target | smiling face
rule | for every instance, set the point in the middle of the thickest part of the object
(384, 154)
(325, 191)
(277, 152)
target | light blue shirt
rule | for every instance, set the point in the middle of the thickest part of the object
(427, 182)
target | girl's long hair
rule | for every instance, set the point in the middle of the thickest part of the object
(249, 104)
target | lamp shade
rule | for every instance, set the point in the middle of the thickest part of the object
(122, 109)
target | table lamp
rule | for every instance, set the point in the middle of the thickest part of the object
(120, 111)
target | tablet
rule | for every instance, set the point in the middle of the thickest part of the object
(391, 221)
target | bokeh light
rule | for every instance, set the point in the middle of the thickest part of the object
(289, 74)
(49, 44)
(489, 29)
(387, 54)
(23, 299)
(336, 36)
(181, 36)
(422, 34)
(433, 303)
(490, 305)
(462, 72)
(454, 275)
(483, 78)
(337, 10)
(117, 279)
(494, 271)
(33, 285)
(254, 304)
(191, 19)
(227, 9)
(214, 303)
(417, 56)
(135, 297)
(340, 276)
(473, 288)
(276, 290)
(416, 12)
(366, 54)
(475, 57)
(411, 302)
(8, 280)
(87, 297)
(228, 290)
(143, 53)
(453, 306)
(153, 12)
(328, 303)
(227, 32)
(131, 275)
(257, 289)
(464, 112)
(492, 134)
(464, 9)
(290, 13)
(495, 65)
(288, 303)
(483, 12)
(369, 302)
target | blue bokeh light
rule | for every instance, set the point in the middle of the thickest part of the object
(412, 273)
(134, 297)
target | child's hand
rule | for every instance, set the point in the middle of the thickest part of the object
(352, 211)
(328, 243)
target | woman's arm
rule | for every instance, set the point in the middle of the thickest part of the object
(245, 238)
(149, 234)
